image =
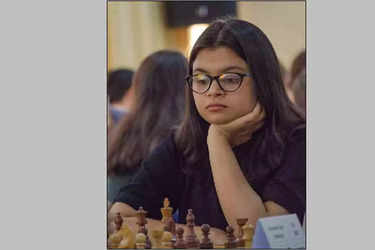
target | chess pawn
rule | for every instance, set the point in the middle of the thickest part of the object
(248, 233)
(166, 211)
(148, 241)
(141, 217)
(240, 241)
(191, 240)
(171, 225)
(156, 236)
(128, 237)
(140, 241)
(116, 236)
(166, 240)
(118, 221)
(231, 239)
(114, 239)
(169, 228)
(126, 243)
(180, 243)
(206, 242)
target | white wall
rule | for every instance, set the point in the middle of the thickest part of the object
(282, 22)
(136, 29)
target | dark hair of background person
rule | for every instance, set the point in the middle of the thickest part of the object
(298, 64)
(299, 90)
(118, 82)
(159, 106)
(251, 44)
(283, 71)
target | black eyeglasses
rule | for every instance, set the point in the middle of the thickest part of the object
(228, 82)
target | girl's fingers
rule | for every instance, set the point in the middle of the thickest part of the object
(246, 119)
(251, 129)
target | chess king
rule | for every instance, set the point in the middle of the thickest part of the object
(167, 218)
(166, 211)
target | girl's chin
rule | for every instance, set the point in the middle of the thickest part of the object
(219, 120)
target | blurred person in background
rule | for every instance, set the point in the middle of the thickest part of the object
(298, 65)
(282, 71)
(299, 91)
(109, 116)
(158, 87)
(119, 93)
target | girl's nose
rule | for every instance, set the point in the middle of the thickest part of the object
(215, 89)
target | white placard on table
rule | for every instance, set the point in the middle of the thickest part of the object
(283, 231)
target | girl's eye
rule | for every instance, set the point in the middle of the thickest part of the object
(201, 79)
(232, 79)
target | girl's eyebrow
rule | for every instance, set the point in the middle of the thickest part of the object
(233, 67)
(201, 70)
(223, 70)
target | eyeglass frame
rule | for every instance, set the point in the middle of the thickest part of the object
(212, 78)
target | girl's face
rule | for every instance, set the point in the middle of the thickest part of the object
(217, 106)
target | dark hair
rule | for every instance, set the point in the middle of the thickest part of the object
(159, 106)
(299, 90)
(298, 65)
(118, 82)
(252, 45)
(282, 70)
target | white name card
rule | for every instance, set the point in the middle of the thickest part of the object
(283, 231)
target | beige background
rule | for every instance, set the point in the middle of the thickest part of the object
(136, 29)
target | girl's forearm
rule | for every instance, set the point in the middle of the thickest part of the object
(237, 198)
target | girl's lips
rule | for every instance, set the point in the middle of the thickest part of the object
(215, 107)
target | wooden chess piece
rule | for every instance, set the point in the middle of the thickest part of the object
(169, 228)
(206, 243)
(148, 241)
(231, 239)
(171, 225)
(191, 240)
(157, 235)
(128, 237)
(116, 237)
(166, 240)
(248, 233)
(140, 241)
(166, 211)
(141, 218)
(180, 243)
(167, 218)
(118, 221)
(144, 231)
(240, 241)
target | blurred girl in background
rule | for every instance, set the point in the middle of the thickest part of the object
(158, 86)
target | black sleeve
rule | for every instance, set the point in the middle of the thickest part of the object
(158, 177)
(287, 187)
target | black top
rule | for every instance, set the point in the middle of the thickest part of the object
(161, 176)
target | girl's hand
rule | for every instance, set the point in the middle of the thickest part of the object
(240, 130)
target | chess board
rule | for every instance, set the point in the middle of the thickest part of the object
(172, 236)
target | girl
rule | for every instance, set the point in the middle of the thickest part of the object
(240, 150)
(158, 88)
